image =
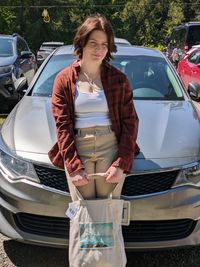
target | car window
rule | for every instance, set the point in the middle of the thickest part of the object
(47, 48)
(44, 84)
(195, 57)
(150, 77)
(21, 46)
(6, 47)
(194, 35)
(179, 36)
(50, 46)
(181, 40)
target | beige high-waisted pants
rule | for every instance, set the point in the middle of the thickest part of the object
(97, 147)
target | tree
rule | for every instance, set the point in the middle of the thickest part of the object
(7, 20)
(144, 22)
(174, 17)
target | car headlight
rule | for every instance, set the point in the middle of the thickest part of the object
(6, 69)
(192, 174)
(16, 168)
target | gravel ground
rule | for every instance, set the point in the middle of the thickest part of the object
(17, 254)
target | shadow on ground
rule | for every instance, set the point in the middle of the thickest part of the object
(25, 255)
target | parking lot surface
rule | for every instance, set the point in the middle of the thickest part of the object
(16, 254)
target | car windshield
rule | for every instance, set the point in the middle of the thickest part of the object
(6, 47)
(48, 48)
(44, 84)
(150, 77)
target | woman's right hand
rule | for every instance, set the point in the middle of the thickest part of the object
(79, 178)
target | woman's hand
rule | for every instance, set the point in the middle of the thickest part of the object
(79, 178)
(114, 175)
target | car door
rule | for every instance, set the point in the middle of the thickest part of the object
(184, 71)
(194, 63)
(25, 64)
(195, 69)
(188, 68)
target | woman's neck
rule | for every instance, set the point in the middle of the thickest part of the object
(91, 68)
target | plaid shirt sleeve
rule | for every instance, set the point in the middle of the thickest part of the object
(64, 126)
(127, 143)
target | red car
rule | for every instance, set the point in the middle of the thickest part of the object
(189, 67)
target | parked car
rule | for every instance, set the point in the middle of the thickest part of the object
(46, 49)
(16, 60)
(196, 46)
(122, 42)
(186, 35)
(189, 67)
(163, 187)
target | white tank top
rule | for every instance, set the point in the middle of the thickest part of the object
(91, 109)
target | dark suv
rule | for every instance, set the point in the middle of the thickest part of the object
(16, 60)
(186, 35)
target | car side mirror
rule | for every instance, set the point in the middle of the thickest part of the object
(198, 65)
(194, 91)
(25, 54)
(21, 85)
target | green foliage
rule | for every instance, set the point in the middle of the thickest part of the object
(159, 47)
(7, 19)
(144, 22)
(174, 17)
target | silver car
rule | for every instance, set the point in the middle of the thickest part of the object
(46, 49)
(164, 186)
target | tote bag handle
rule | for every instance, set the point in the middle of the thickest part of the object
(95, 176)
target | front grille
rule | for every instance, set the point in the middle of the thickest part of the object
(134, 185)
(164, 230)
(42, 225)
(137, 231)
(52, 177)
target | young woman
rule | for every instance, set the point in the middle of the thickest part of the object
(96, 121)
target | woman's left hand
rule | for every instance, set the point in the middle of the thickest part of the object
(114, 175)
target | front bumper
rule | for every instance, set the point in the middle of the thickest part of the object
(25, 206)
(6, 78)
(32, 198)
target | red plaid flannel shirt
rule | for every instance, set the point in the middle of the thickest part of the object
(121, 110)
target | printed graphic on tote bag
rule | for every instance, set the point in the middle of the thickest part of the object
(96, 235)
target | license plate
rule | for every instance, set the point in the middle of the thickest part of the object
(126, 213)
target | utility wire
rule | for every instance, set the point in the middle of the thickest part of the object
(93, 5)
(58, 6)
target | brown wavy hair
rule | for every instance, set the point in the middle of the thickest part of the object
(96, 22)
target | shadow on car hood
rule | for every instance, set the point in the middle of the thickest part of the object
(168, 130)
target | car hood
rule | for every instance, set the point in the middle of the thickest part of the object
(169, 131)
(5, 61)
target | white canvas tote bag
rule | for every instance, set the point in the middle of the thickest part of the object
(95, 238)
